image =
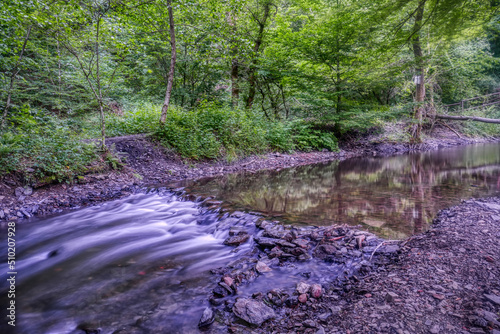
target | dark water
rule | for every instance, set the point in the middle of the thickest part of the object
(393, 197)
(142, 264)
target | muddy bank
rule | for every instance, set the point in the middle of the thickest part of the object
(443, 281)
(148, 164)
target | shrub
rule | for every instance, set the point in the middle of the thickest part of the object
(39, 147)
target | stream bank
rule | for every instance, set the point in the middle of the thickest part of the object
(147, 164)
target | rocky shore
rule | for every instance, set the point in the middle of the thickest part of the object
(446, 280)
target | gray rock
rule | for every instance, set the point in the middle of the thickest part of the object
(490, 206)
(309, 323)
(252, 311)
(266, 242)
(207, 318)
(19, 191)
(2, 214)
(435, 329)
(303, 288)
(28, 191)
(321, 330)
(236, 240)
(390, 297)
(492, 298)
(261, 267)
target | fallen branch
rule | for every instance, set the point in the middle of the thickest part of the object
(469, 118)
(449, 127)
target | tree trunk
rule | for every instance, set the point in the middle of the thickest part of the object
(15, 71)
(173, 57)
(416, 129)
(99, 90)
(469, 118)
(252, 79)
(235, 87)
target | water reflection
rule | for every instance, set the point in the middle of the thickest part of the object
(393, 197)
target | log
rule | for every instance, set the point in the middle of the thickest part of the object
(469, 118)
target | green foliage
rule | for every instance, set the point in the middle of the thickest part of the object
(306, 137)
(139, 119)
(39, 147)
(213, 132)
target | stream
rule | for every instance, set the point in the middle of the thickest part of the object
(142, 264)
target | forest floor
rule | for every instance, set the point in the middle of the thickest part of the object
(443, 281)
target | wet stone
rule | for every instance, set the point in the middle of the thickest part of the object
(252, 311)
(302, 298)
(236, 240)
(261, 267)
(207, 318)
(266, 242)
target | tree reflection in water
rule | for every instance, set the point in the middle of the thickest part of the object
(394, 197)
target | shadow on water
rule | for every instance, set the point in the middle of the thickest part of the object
(393, 197)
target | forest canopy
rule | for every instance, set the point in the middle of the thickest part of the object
(222, 79)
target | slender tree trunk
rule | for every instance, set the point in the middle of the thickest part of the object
(416, 129)
(252, 79)
(98, 84)
(15, 71)
(235, 88)
(173, 58)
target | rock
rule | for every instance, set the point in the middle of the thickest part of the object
(220, 292)
(228, 280)
(390, 297)
(266, 242)
(2, 214)
(316, 290)
(303, 298)
(321, 330)
(492, 298)
(435, 329)
(491, 206)
(476, 330)
(302, 243)
(302, 288)
(261, 267)
(28, 191)
(328, 249)
(19, 191)
(236, 240)
(207, 318)
(309, 324)
(237, 230)
(252, 311)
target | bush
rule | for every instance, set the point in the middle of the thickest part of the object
(40, 148)
(140, 119)
(213, 132)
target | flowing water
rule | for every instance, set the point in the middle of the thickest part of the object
(142, 263)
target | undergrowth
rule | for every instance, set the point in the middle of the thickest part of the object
(212, 131)
(41, 149)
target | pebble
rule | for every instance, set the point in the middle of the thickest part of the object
(302, 288)
(316, 291)
(261, 267)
